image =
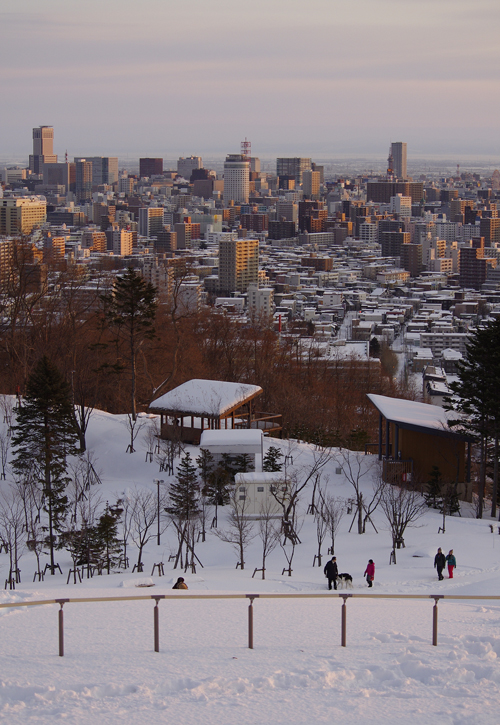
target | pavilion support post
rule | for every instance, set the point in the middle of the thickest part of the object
(396, 441)
(468, 461)
(387, 437)
(380, 437)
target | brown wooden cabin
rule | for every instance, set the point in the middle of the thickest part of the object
(198, 405)
(414, 437)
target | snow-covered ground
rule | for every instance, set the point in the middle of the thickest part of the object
(297, 671)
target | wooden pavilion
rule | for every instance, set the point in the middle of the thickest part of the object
(198, 405)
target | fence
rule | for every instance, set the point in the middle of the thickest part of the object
(251, 598)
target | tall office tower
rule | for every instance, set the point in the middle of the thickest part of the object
(150, 167)
(310, 184)
(292, 167)
(398, 153)
(186, 166)
(150, 220)
(238, 264)
(21, 215)
(60, 174)
(43, 149)
(236, 179)
(83, 180)
(104, 169)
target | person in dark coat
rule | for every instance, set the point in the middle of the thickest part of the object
(331, 572)
(439, 563)
(180, 584)
(370, 572)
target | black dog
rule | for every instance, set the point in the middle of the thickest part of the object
(345, 580)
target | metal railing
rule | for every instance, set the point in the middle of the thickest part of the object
(251, 597)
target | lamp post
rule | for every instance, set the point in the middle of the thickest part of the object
(158, 482)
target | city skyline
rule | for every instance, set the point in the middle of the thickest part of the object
(323, 79)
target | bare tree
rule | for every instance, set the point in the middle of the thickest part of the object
(12, 530)
(239, 530)
(334, 510)
(143, 516)
(402, 508)
(321, 520)
(288, 546)
(269, 532)
(288, 494)
(6, 409)
(134, 425)
(356, 466)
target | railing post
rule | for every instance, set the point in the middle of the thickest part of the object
(61, 602)
(436, 598)
(250, 619)
(156, 619)
(343, 636)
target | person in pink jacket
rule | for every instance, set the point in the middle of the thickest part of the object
(370, 572)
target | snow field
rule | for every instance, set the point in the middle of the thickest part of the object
(297, 672)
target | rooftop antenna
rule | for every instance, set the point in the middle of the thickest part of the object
(66, 156)
(246, 149)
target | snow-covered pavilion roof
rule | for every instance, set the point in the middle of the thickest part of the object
(208, 398)
(245, 440)
(416, 416)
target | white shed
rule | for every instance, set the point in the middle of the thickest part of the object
(254, 490)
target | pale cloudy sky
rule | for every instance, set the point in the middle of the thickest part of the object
(297, 77)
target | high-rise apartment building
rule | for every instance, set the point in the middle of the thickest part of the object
(292, 167)
(83, 180)
(186, 232)
(186, 166)
(236, 179)
(401, 205)
(150, 167)
(310, 184)
(21, 215)
(238, 264)
(43, 149)
(150, 220)
(398, 153)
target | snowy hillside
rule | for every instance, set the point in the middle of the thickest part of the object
(297, 671)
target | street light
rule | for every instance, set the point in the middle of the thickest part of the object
(158, 482)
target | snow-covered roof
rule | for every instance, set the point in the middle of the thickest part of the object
(232, 441)
(209, 398)
(410, 414)
(259, 477)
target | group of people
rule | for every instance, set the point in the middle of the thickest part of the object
(331, 572)
(440, 561)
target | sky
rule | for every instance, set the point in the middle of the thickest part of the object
(320, 78)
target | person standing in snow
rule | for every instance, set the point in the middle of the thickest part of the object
(452, 563)
(439, 563)
(331, 572)
(180, 584)
(370, 572)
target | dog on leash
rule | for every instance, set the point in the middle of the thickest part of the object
(345, 581)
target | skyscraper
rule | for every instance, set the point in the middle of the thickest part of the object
(292, 168)
(236, 179)
(150, 167)
(398, 153)
(83, 180)
(186, 166)
(43, 149)
(104, 169)
(238, 264)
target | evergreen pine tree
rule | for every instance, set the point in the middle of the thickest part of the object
(130, 310)
(183, 495)
(43, 436)
(272, 460)
(243, 463)
(432, 495)
(205, 463)
(106, 535)
(478, 397)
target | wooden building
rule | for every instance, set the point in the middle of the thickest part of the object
(414, 437)
(198, 405)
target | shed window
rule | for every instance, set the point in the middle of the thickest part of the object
(260, 489)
